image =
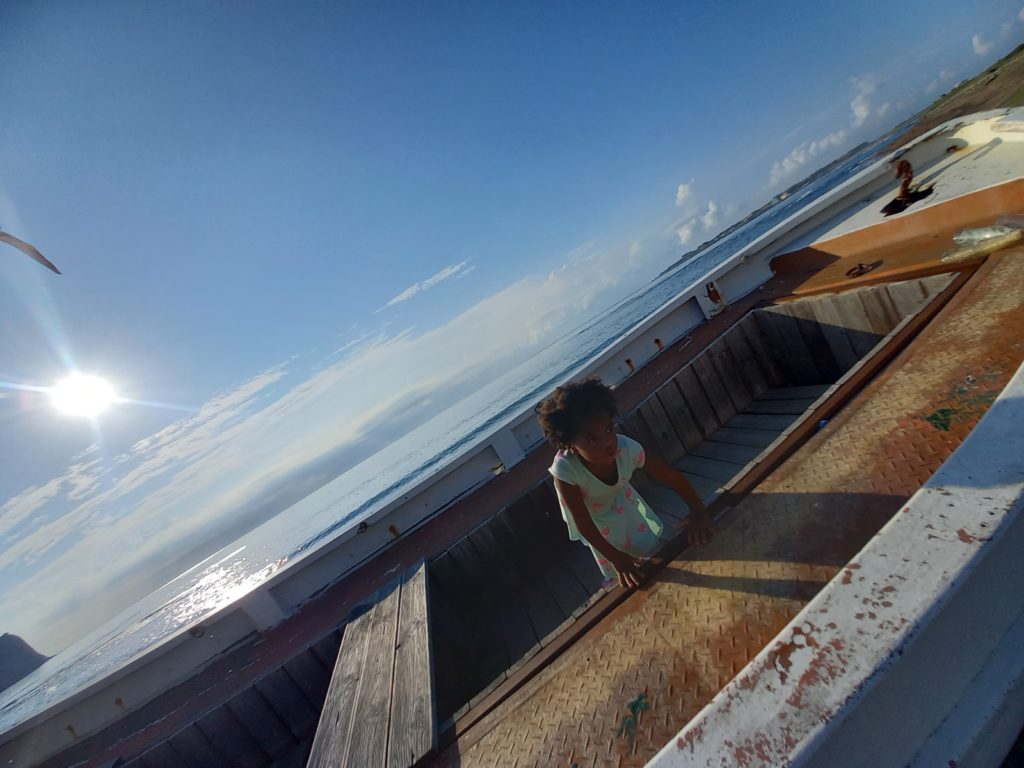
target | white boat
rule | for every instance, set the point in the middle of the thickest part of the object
(862, 689)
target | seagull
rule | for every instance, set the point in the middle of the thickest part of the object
(29, 250)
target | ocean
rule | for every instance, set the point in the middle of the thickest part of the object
(299, 530)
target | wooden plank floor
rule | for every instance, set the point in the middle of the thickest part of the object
(727, 451)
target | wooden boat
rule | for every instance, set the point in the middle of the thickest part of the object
(848, 403)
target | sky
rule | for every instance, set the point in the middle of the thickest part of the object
(291, 233)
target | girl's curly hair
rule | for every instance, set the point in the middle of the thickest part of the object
(571, 406)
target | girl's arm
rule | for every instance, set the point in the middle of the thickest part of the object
(700, 531)
(627, 568)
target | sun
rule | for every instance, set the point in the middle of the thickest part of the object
(82, 394)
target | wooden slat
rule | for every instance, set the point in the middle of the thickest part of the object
(413, 732)
(753, 437)
(714, 388)
(835, 333)
(729, 372)
(907, 296)
(666, 442)
(811, 392)
(765, 353)
(262, 723)
(230, 739)
(287, 700)
(679, 415)
(516, 630)
(162, 756)
(500, 568)
(354, 722)
(697, 401)
(706, 489)
(881, 309)
(712, 469)
(813, 336)
(754, 378)
(310, 676)
(545, 615)
(784, 335)
(194, 748)
(579, 558)
(326, 648)
(635, 427)
(854, 320)
(667, 504)
(564, 587)
(780, 406)
(770, 423)
(737, 454)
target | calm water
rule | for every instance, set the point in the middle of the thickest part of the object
(299, 530)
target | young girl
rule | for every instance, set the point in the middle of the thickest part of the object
(592, 470)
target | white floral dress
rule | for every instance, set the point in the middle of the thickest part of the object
(618, 511)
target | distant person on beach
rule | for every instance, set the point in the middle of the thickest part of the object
(592, 470)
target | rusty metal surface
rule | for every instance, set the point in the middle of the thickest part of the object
(626, 689)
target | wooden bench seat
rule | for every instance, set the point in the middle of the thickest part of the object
(380, 708)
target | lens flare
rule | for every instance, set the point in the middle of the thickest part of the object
(82, 394)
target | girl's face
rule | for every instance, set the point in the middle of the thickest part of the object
(597, 442)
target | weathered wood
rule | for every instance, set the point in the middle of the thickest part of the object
(310, 675)
(763, 351)
(809, 392)
(162, 756)
(729, 372)
(666, 442)
(811, 331)
(230, 739)
(544, 613)
(326, 648)
(770, 423)
(835, 333)
(854, 320)
(713, 387)
(516, 630)
(287, 700)
(635, 427)
(880, 317)
(754, 378)
(697, 401)
(679, 415)
(262, 723)
(580, 559)
(353, 725)
(780, 406)
(500, 569)
(737, 454)
(712, 469)
(706, 489)
(564, 587)
(907, 296)
(195, 749)
(667, 504)
(783, 334)
(753, 437)
(413, 733)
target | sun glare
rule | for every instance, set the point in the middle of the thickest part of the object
(82, 394)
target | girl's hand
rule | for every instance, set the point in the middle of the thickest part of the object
(628, 571)
(700, 529)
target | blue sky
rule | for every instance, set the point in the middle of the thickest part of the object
(297, 231)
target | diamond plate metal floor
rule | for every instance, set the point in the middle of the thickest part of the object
(621, 693)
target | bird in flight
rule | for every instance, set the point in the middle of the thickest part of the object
(28, 250)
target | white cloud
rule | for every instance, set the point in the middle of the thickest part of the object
(883, 109)
(108, 522)
(683, 193)
(860, 105)
(710, 216)
(685, 231)
(423, 285)
(1020, 15)
(981, 45)
(803, 154)
(1006, 28)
